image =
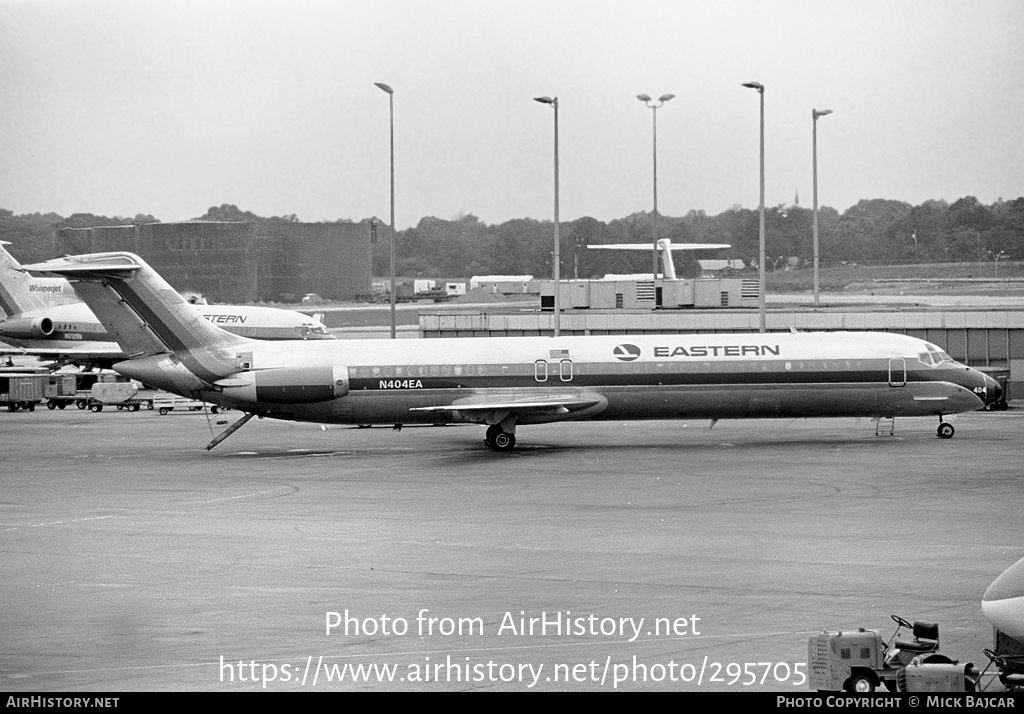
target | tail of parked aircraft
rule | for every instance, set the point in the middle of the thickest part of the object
(145, 314)
(15, 294)
(22, 293)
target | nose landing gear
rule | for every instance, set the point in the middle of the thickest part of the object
(945, 430)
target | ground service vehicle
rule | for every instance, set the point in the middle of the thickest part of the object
(937, 673)
(1008, 658)
(859, 661)
(166, 402)
(93, 390)
(21, 390)
(122, 395)
(61, 389)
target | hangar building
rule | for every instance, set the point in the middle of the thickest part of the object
(242, 262)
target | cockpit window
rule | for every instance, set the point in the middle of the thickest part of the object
(934, 357)
(308, 330)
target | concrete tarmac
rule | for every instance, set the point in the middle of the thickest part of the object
(134, 560)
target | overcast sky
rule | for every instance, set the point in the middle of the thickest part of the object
(119, 107)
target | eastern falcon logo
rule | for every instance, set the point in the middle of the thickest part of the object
(626, 353)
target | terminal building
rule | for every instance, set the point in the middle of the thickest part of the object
(241, 262)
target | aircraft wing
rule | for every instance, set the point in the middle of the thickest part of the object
(114, 352)
(537, 409)
(648, 246)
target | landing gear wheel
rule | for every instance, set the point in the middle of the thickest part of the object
(946, 431)
(503, 441)
(860, 683)
(489, 435)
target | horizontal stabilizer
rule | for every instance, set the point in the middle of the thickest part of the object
(665, 247)
(143, 313)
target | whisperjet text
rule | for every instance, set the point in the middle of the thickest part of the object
(717, 351)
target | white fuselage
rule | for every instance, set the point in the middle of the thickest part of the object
(75, 331)
(616, 377)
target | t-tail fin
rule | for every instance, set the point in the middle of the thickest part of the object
(16, 296)
(143, 313)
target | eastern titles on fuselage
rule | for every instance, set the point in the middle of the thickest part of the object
(226, 319)
(717, 351)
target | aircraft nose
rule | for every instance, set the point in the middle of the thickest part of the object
(993, 391)
(1003, 601)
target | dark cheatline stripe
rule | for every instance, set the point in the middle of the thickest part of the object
(591, 376)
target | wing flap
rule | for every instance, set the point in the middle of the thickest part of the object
(113, 352)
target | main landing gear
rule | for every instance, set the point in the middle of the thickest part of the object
(945, 430)
(499, 439)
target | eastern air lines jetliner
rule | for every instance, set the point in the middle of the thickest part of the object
(508, 381)
(45, 318)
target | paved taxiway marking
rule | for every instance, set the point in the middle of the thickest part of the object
(147, 510)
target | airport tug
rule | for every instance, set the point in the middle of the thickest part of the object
(860, 661)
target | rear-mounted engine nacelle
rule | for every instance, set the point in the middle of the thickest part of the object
(287, 385)
(27, 328)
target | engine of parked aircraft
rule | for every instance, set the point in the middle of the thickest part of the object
(27, 328)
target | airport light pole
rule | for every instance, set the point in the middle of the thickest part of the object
(760, 260)
(555, 259)
(815, 113)
(391, 106)
(646, 99)
(997, 256)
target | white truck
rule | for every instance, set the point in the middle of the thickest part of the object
(122, 395)
(165, 402)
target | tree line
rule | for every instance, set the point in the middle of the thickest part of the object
(876, 231)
